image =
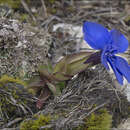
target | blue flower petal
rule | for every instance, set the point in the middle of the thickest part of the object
(119, 40)
(118, 74)
(123, 67)
(96, 35)
(104, 59)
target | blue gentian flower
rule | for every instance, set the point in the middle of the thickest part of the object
(110, 43)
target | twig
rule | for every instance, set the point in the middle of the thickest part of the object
(13, 122)
(44, 9)
(72, 2)
(28, 10)
(46, 126)
(10, 129)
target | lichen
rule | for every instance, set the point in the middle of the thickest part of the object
(37, 123)
(19, 49)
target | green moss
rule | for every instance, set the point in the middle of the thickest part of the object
(13, 95)
(53, 10)
(101, 120)
(24, 17)
(12, 3)
(52, 1)
(39, 121)
(127, 19)
(8, 79)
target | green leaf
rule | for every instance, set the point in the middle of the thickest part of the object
(61, 85)
(60, 66)
(55, 90)
(72, 64)
(45, 71)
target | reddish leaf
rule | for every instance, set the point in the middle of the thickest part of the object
(44, 95)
